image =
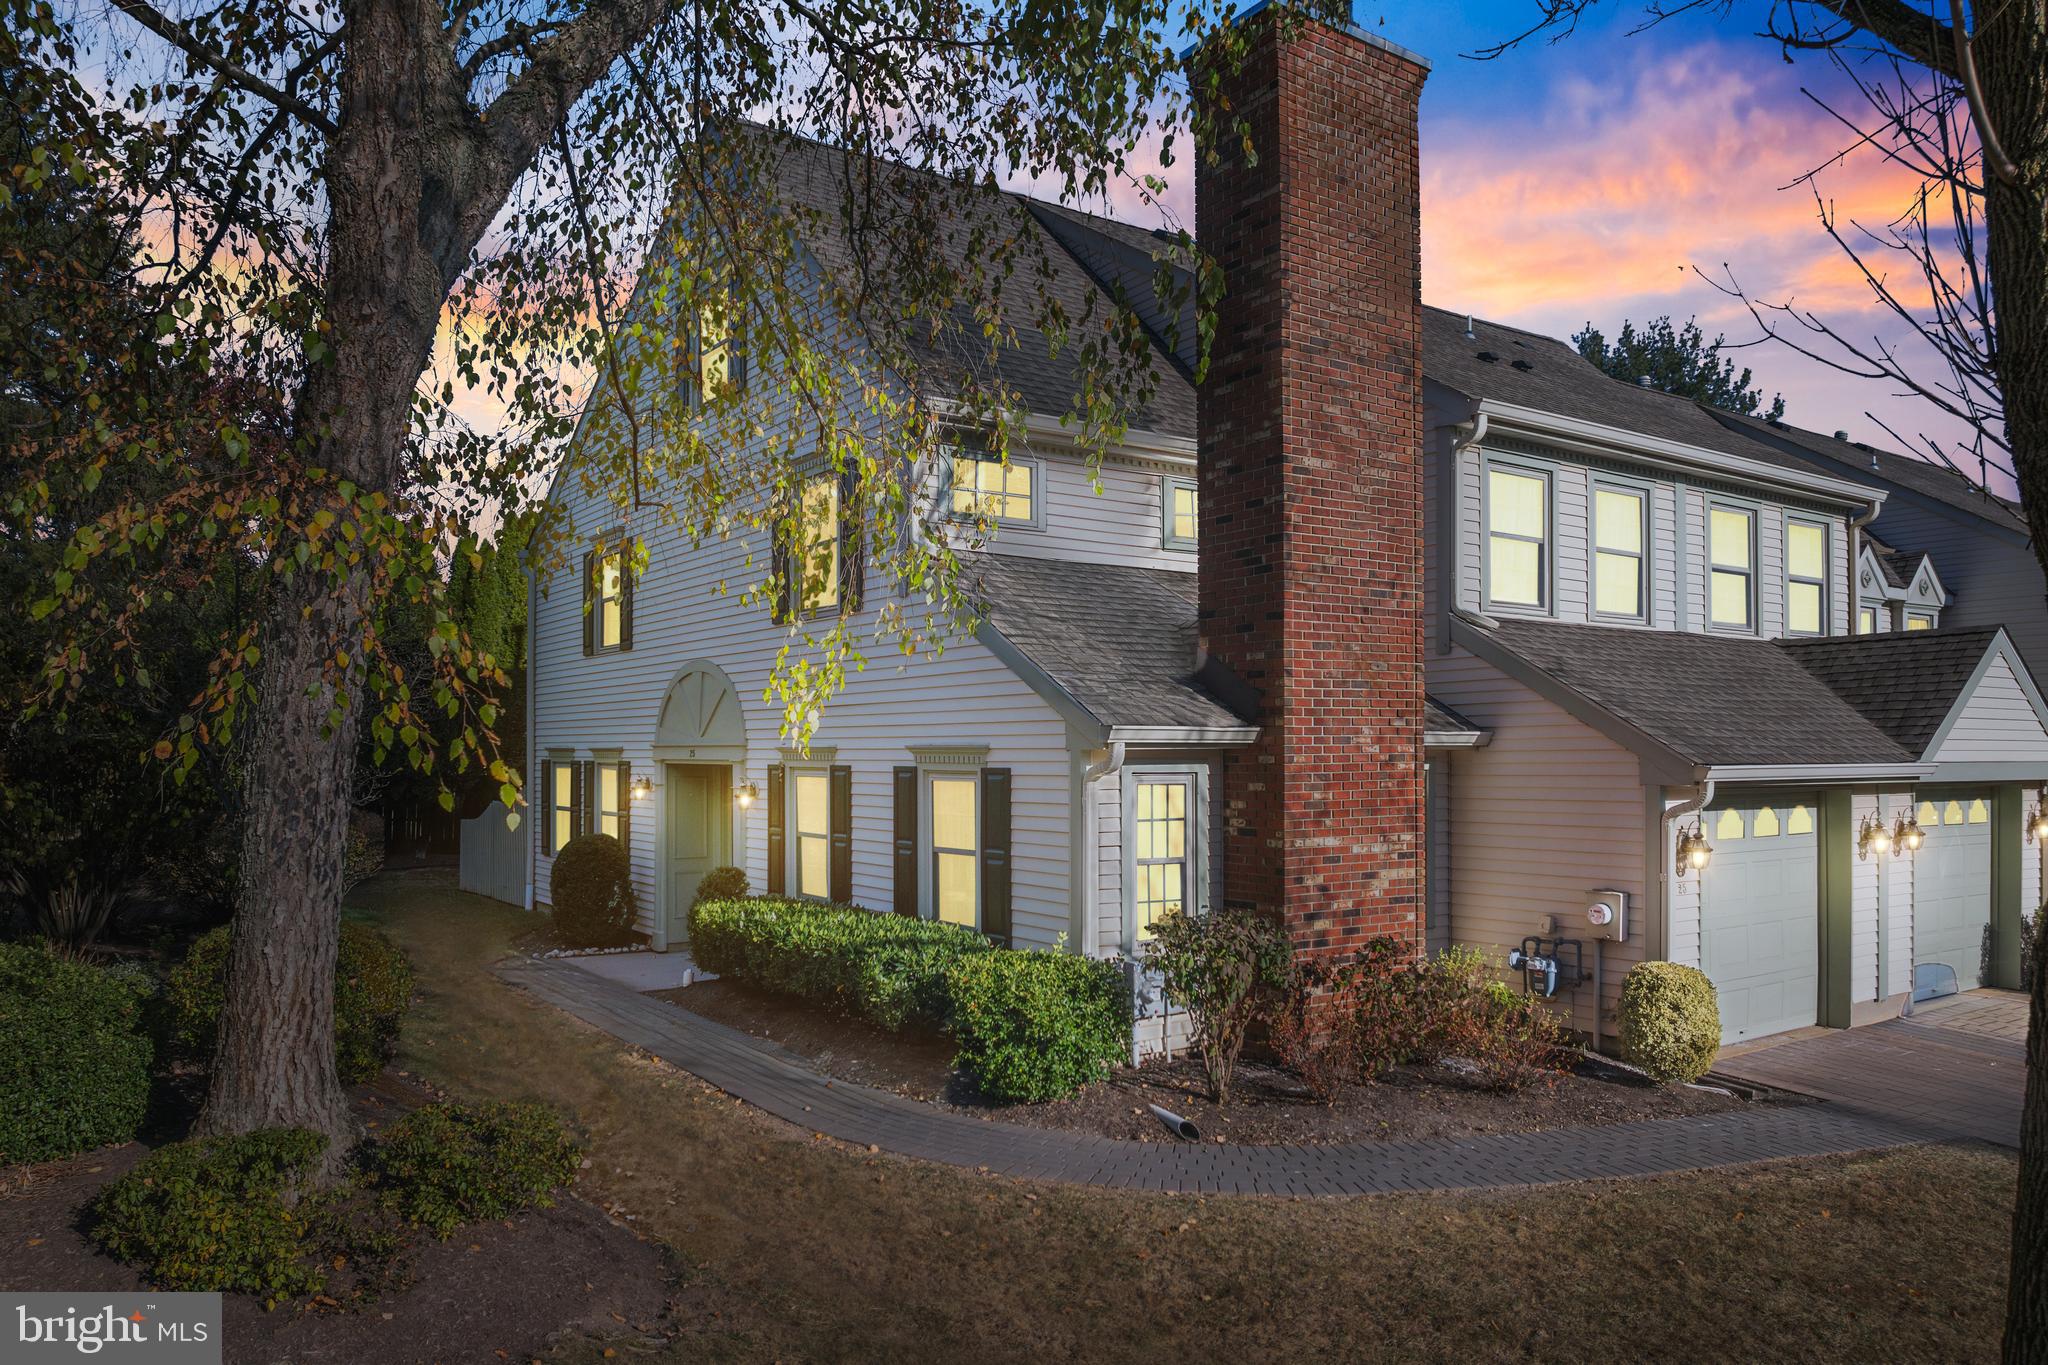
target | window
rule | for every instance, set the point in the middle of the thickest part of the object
(1731, 577)
(1806, 578)
(608, 600)
(956, 848)
(1800, 821)
(1183, 523)
(1160, 852)
(1919, 620)
(1728, 825)
(1517, 535)
(1766, 826)
(1618, 551)
(1866, 620)
(717, 362)
(994, 490)
(562, 801)
(611, 797)
(1952, 813)
(817, 572)
(811, 824)
(1927, 816)
(1979, 813)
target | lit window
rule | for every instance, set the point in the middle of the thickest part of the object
(818, 573)
(609, 599)
(956, 850)
(1866, 620)
(1766, 826)
(1517, 526)
(1979, 813)
(563, 799)
(812, 822)
(714, 351)
(1183, 522)
(1159, 843)
(1728, 825)
(994, 490)
(1927, 816)
(1806, 578)
(610, 797)
(1800, 821)
(1618, 552)
(1919, 620)
(1952, 813)
(1732, 576)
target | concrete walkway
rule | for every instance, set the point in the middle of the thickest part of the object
(1957, 1066)
(775, 1080)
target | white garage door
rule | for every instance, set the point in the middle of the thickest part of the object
(1952, 885)
(1760, 917)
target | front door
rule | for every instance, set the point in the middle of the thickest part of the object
(699, 836)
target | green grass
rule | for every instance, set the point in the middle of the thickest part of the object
(799, 1248)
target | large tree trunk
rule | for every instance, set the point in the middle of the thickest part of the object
(2026, 1299)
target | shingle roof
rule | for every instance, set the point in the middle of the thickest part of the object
(1718, 702)
(1904, 683)
(1879, 468)
(1438, 719)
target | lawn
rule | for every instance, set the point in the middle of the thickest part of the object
(794, 1247)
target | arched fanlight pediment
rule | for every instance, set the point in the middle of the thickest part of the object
(701, 710)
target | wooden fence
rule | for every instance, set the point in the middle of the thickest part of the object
(494, 857)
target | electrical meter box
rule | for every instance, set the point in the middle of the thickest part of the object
(1607, 915)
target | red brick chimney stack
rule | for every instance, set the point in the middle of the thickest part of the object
(1311, 479)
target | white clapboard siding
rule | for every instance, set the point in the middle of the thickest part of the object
(1866, 909)
(1991, 575)
(1898, 902)
(1544, 813)
(1997, 724)
(1681, 892)
(1124, 522)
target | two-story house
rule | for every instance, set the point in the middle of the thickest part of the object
(1200, 674)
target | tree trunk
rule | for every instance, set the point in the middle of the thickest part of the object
(2026, 1298)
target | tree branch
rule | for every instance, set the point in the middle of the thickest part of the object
(526, 112)
(1915, 32)
(174, 33)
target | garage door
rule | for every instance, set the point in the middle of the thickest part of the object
(1952, 885)
(1760, 918)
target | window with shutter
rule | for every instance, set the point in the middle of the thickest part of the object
(777, 833)
(842, 833)
(995, 854)
(904, 871)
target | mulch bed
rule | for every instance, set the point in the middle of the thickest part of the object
(1267, 1104)
(515, 1289)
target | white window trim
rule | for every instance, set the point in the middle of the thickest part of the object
(1197, 885)
(1880, 617)
(1933, 618)
(598, 599)
(1546, 559)
(1168, 485)
(1035, 522)
(1827, 577)
(793, 836)
(927, 846)
(606, 763)
(1642, 494)
(805, 610)
(1751, 511)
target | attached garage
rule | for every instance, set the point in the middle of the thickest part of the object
(1952, 886)
(1760, 916)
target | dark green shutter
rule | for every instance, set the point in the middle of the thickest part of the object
(625, 781)
(735, 341)
(784, 568)
(545, 806)
(906, 841)
(995, 854)
(626, 577)
(589, 603)
(853, 546)
(579, 789)
(842, 833)
(776, 835)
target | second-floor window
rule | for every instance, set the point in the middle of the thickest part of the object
(1806, 578)
(1919, 620)
(1183, 520)
(994, 490)
(1517, 537)
(607, 602)
(817, 570)
(1731, 574)
(1866, 620)
(1618, 552)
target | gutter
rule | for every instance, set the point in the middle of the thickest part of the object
(1169, 736)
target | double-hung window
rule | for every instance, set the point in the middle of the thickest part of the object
(1619, 518)
(817, 572)
(562, 807)
(1183, 520)
(1806, 577)
(955, 805)
(607, 598)
(811, 828)
(1517, 537)
(987, 489)
(1731, 569)
(610, 799)
(1160, 850)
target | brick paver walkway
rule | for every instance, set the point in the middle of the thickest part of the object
(775, 1080)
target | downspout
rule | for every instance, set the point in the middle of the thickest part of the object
(1467, 436)
(1856, 525)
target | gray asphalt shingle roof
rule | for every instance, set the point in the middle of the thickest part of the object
(1905, 683)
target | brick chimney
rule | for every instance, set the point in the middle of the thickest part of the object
(1310, 425)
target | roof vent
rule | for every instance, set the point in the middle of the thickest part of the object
(1841, 436)
(1489, 357)
(1468, 328)
(1523, 366)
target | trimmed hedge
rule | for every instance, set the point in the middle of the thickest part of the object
(1038, 1026)
(74, 1062)
(1670, 1020)
(590, 893)
(450, 1164)
(372, 991)
(888, 969)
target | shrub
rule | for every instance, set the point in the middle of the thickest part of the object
(1038, 1026)
(591, 890)
(1513, 1041)
(1670, 1020)
(889, 969)
(1314, 1028)
(74, 1063)
(1219, 967)
(372, 991)
(450, 1164)
(722, 884)
(220, 1214)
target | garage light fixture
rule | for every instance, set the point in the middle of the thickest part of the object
(1694, 851)
(1873, 838)
(1907, 837)
(2037, 823)
(743, 795)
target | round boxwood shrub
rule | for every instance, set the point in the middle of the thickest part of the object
(220, 1215)
(1670, 1020)
(1038, 1026)
(372, 991)
(450, 1164)
(591, 890)
(74, 1061)
(721, 884)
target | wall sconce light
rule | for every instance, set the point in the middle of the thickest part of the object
(745, 795)
(1694, 851)
(1873, 837)
(642, 788)
(1907, 836)
(2037, 823)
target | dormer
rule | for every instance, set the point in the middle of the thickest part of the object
(1896, 589)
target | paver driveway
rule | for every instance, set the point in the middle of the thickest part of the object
(1957, 1068)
